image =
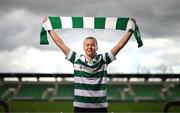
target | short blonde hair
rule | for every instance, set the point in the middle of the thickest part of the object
(90, 38)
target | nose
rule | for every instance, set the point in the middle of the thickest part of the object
(90, 46)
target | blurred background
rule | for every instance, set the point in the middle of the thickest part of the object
(140, 79)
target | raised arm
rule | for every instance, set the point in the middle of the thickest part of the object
(58, 41)
(125, 38)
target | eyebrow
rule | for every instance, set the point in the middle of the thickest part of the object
(91, 43)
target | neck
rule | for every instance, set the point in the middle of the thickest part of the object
(90, 57)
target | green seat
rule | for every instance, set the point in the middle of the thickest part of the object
(33, 90)
(151, 91)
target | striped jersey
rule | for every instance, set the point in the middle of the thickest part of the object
(90, 80)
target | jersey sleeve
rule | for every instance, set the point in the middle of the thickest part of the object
(108, 57)
(71, 56)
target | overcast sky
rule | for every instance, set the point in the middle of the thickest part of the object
(21, 20)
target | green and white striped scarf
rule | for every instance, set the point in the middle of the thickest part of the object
(116, 23)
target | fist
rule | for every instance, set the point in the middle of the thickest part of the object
(131, 24)
(45, 19)
(134, 20)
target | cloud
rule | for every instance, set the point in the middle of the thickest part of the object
(29, 59)
(156, 17)
(21, 22)
(158, 52)
(19, 27)
(130, 60)
(22, 28)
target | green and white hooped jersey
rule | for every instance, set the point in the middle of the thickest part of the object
(90, 80)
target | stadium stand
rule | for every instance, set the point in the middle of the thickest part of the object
(32, 91)
(147, 91)
(63, 90)
(114, 91)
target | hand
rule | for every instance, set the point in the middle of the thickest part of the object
(131, 24)
(46, 25)
(45, 19)
(134, 20)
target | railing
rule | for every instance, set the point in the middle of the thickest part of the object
(5, 105)
(170, 104)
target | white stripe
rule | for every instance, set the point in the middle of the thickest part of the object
(104, 58)
(79, 67)
(90, 105)
(44, 25)
(130, 25)
(111, 56)
(68, 57)
(92, 80)
(47, 25)
(88, 22)
(89, 93)
(77, 57)
(66, 22)
(110, 23)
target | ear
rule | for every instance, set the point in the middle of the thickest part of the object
(83, 47)
(96, 47)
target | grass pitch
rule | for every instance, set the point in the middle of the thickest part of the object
(67, 106)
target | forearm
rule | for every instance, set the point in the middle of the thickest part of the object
(59, 42)
(122, 42)
(125, 39)
(55, 37)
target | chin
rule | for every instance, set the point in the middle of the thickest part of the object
(89, 54)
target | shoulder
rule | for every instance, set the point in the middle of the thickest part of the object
(73, 56)
(108, 56)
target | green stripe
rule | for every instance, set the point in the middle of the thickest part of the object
(99, 22)
(90, 99)
(97, 64)
(90, 75)
(72, 59)
(108, 60)
(77, 22)
(55, 22)
(121, 23)
(137, 35)
(90, 86)
(43, 36)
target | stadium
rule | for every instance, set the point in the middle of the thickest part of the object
(127, 93)
(36, 78)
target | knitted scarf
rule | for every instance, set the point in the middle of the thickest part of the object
(116, 23)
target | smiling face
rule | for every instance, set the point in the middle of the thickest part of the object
(90, 46)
